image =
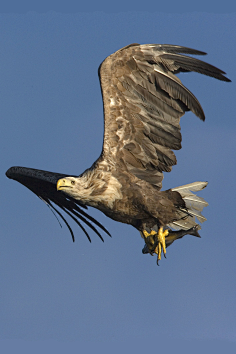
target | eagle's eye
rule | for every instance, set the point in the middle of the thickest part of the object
(72, 182)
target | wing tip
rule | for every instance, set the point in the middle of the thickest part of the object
(225, 78)
(10, 172)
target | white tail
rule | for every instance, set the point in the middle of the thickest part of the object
(194, 206)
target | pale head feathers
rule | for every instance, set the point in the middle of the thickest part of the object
(92, 188)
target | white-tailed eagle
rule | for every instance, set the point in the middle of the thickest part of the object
(143, 102)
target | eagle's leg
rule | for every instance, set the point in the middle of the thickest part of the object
(157, 243)
(161, 245)
(150, 240)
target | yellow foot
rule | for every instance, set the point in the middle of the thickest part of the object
(161, 242)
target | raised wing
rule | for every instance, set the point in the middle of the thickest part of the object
(143, 103)
(43, 184)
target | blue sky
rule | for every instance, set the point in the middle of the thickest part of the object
(104, 294)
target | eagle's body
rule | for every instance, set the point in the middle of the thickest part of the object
(143, 103)
(128, 200)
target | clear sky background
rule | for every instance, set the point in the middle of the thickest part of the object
(61, 295)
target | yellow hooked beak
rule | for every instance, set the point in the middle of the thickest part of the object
(63, 183)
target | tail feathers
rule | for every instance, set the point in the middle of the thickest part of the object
(194, 206)
(185, 223)
(196, 213)
(187, 188)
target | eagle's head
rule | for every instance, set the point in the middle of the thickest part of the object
(69, 185)
(78, 188)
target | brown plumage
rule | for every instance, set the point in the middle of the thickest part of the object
(143, 102)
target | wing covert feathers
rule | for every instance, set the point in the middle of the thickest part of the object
(143, 102)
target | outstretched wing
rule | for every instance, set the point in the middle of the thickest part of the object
(43, 184)
(143, 103)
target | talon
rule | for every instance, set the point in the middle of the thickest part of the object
(149, 240)
(159, 244)
(146, 234)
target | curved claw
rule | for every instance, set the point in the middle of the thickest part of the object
(161, 242)
(157, 240)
